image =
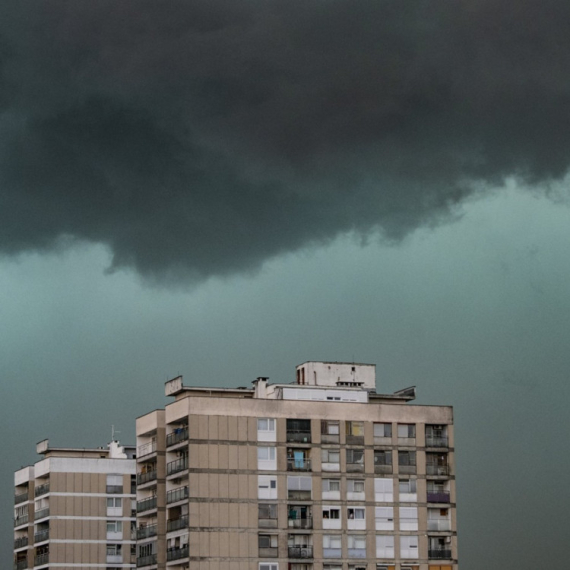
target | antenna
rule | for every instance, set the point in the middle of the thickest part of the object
(114, 432)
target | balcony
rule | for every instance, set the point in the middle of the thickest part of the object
(41, 559)
(18, 521)
(438, 497)
(21, 498)
(356, 467)
(146, 560)
(177, 553)
(298, 464)
(177, 524)
(42, 513)
(439, 554)
(354, 439)
(177, 465)
(439, 525)
(407, 469)
(143, 478)
(300, 552)
(21, 564)
(437, 441)
(41, 489)
(114, 489)
(178, 435)
(176, 495)
(146, 531)
(20, 542)
(300, 523)
(41, 535)
(298, 436)
(146, 504)
(146, 449)
(439, 470)
(382, 468)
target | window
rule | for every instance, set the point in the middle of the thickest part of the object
(330, 427)
(266, 511)
(356, 513)
(408, 491)
(266, 566)
(384, 518)
(409, 547)
(299, 488)
(384, 490)
(299, 431)
(384, 546)
(354, 429)
(356, 542)
(266, 458)
(114, 549)
(331, 513)
(114, 526)
(266, 429)
(355, 456)
(408, 518)
(407, 431)
(382, 430)
(114, 502)
(383, 461)
(355, 488)
(331, 485)
(407, 461)
(332, 546)
(266, 487)
(267, 541)
(330, 456)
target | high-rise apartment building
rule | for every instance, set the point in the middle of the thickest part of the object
(75, 509)
(321, 474)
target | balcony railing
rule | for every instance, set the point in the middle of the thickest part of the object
(21, 520)
(439, 554)
(177, 465)
(176, 495)
(41, 489)
(407, 469)
(300, 551)
(114, 489)
(301, 523)
(146, 560)
(178, 435)
(437, 441)
(176, 524)
(41, 559)
(442, 470)
(42, 513)
(146, 504)
(177, 553)
(298, 436)
(146, 531)
(438, 497)
(298, 464)
(354, 439)
(21, 498)
(439, 525)
(21, 542)
(355, 467)
(143, 478)
(21, 564)
(382, 468)
(41, 535)
(146, 449)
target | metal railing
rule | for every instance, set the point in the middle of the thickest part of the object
(298, 464)
(439, 525)
(439, 554)
(298, 436)
(176, 524)
(21, 542)
(41, 559)
(178, 435)
(146, 504)
(41, 514)
(41, 535)
(114, 489)
(442, 470)
(177, 553)
(146, 531)
(177, 465)
(437, 441)
(146, 449)
(300, 551)
(176, 495)
(143, 478)
(21, 498)
(21, 564)
(41, 489)
(301, 523)
(21, 520)
(146, 560)
(438, 497)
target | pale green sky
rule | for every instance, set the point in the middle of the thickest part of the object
(476, 314)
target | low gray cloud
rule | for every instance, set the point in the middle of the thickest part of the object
(202, 138)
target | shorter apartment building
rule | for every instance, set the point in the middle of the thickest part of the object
(74, 508)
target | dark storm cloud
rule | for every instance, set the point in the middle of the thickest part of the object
(203, 137)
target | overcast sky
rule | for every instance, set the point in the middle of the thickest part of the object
(225, 189)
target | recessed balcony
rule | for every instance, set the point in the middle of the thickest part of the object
(437, 441)
(177, 524)
(146, 449)
(149, 560)
(21, 498)
(41, 559)
(146, 477)
(23, 519)
(41, 513)
(177, 553)
(438, 470)
(300, 552)
(176, 466)
(146, 504)
(146, 531)
(298, 464)
(41, 490)
(176, 495)
(41, 535)
(439, 554)
(438, 497)
(177, 436)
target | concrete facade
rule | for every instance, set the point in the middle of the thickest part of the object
(321, 474)
(74, 509)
